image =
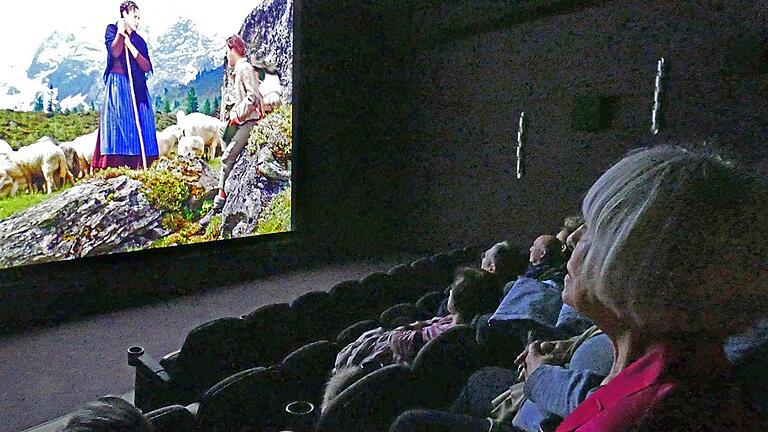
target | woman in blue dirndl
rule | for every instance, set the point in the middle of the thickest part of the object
(118, 141)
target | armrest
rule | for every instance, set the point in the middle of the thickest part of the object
(152, 380)
(147, 365)
(169, 362)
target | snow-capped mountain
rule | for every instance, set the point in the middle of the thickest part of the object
(268, 34)
(180, 53)
(73, 61)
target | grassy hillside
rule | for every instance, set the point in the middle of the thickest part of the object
(23, 128)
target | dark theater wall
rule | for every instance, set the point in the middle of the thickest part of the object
(478, 64)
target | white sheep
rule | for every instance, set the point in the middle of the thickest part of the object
(11, 177)
(5, 148)
(79, 153)
(43, 159)
(167, 139)
(191, 146)
(204, 126)
(271, 91)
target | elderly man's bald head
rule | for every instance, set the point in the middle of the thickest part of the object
(546, 248)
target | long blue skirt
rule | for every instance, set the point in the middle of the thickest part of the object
(118, 135)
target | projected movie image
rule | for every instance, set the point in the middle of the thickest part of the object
(128, 126)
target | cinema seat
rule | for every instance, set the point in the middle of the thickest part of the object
(306, 370)
(310, 320)
(429, 303)
(173, 418)
(408, 310)
(445, 363)
(426, 277)
(436, 376)
(372, 403)
(350, 303)
(404, 287)
(351, 333)
(210, 352)
(381, 291)
(268, 336)
(249, 400)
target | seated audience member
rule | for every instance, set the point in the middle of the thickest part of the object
(530, 306)
(570, 322)
(502, 260)
(668, 293)
(570, 225)
(667, 326)
(339, 381)
(558, 376)
(473, 292)
(545, 258)
(108, 414)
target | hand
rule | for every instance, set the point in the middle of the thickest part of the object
(122, 26)
(554, 353)
(418, 325)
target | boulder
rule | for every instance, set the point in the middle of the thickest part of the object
(93, 218)
(240, 214)
(197, 173)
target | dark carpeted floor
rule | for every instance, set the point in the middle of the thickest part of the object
(48, 372)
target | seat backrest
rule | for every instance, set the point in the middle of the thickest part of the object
(372, 403)
(211, 351)
(311, 320)
(403, 286)
(173, 418)
(351, 333)
(306, 370)
(444, 268)
(249, 399)
(430, 303)
(382, 288)
(446, 362)
(268, 334)
(409, 310)
(349, 303)
(426, 277)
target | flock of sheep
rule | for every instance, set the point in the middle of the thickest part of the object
(54, 164)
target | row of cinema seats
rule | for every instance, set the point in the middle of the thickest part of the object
(287, 346)
(256, 399)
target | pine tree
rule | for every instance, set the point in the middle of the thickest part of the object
(66, 111)
(167, 106)
(216, 107)
(158, 103)
(93, 107)
(207, 107)
(176, 104)
(39, 103)
(191, 104)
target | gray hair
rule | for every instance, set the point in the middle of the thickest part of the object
(677, 243)
(108, 414)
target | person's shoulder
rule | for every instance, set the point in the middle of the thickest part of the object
(243, 66)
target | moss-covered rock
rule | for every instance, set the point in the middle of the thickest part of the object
(277, 216)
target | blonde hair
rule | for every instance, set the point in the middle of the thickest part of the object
(677, 243)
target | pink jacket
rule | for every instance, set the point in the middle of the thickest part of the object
(668, 390)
